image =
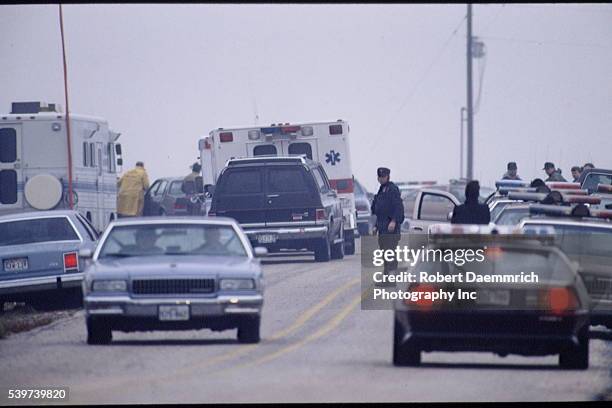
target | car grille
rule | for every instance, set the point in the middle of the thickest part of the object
(599, 287)
(172, 286)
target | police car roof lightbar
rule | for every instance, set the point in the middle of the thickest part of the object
(579, 210)
(511, 183)
(487, 233)
(563, 185)
(565, 198)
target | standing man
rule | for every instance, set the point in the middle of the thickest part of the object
(511, 174)
(388, 207)
(471, 212)
(132, 186)
(552, 172)
(588, 166)
(189, 187)
(576, 170)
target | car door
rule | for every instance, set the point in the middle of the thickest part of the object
(153, 196)
(431, 207)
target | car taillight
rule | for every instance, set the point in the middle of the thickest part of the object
(71, 261)
(320, 214)
(559, 300)
(179, 206)
(422, 303)
(226, 137)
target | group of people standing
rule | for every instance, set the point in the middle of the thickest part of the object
(553, 173)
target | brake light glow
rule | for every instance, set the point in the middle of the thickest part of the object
(71, 261)
(226, 137)
(320, 214)
(422, 303)
(559, 300)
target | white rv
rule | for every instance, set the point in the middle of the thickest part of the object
(325, 142)
(34, 162)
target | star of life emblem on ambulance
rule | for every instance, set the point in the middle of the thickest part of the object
(332, 157)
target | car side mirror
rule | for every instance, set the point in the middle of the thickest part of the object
(260, 252)
(85, 253)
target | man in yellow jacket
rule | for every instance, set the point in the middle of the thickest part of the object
(132, 186)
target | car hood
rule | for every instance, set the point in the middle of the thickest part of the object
(165, 266)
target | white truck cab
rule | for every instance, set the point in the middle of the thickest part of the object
(325, 142)
(34, 162)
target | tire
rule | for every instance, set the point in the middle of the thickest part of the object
(98, 332)
(404, 355)
(349, 242)
(248, 331)
(576, 357)
(322, 250)
(337, 250)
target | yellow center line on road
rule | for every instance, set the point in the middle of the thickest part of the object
(186, 370)
(331, 324)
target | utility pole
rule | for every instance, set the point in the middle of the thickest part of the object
(461, 142)
(68, 141)
(469, 108)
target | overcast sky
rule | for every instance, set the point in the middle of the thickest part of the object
(165, 75)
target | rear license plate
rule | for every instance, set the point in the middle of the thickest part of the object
(493, 297)
(16, 264)
(266, 238)
(173, 312)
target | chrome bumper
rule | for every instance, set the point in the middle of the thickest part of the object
(289, 233)
(100, 305)
(41, 283)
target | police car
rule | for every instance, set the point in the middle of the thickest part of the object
(324, 142)
(585, 235)
(34, 172)
(501, 313)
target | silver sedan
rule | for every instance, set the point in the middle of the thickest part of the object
(173, 274)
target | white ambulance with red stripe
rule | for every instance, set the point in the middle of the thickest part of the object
(325, 142)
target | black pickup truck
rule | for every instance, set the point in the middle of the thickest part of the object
(282, 203)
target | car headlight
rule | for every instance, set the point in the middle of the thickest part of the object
(109, 286)
(236, 284)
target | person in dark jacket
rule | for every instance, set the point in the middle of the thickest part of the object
(388, 207)
(471, 212)
(511, 174)
(553, 173)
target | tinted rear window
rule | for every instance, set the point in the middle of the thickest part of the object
(8, 145)
(36, 230)
(287, 180)
(8, 187)
(242, 182)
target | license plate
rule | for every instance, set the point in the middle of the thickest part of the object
(16, 264)
(266, 238)
(493, 297)
(173, 312)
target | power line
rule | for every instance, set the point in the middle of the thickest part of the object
(422, 77)
(546, 42)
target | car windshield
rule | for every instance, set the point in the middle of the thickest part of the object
(583, 241)
(172, 239)
(511, 216)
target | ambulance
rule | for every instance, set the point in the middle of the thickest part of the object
(34, 162)
(324, 142)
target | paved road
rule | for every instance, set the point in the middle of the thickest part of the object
(317, 346)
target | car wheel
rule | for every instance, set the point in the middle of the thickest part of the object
(349, 242)
(404, 354)
(322, 250)
(248, 331)
(337, 250)
(576, 357)
(98, 332)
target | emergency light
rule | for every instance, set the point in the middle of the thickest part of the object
(604, 188)
(558, 185)
(579, 210)
(510, 183)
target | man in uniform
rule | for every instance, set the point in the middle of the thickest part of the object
(388, 207)
(511, 174)
(132, 186)
(189, 187)
(576, 170)
(552, 172)
(471, 212)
